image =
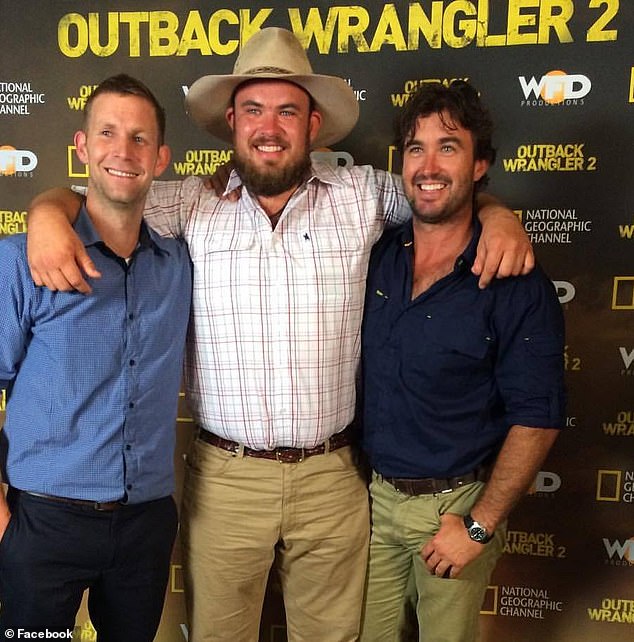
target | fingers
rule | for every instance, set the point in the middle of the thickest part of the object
(529, 262)
(487, 274)
(64, 280)
(498, 264)
(440, 567)
(66, 271)
(87, 266)
(37, 277)
(69, 276)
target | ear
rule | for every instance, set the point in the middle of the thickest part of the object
(162, 160)
(80, 146)
(314, 124)
(480, 168)
(230, 116)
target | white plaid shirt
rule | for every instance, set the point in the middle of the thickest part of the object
(274, 336)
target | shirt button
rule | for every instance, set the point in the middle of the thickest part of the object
(130, 316)
(129, 486)
(131, 404)
(132, 362)
(128, 447)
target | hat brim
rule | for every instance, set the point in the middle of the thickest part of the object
(209, 97)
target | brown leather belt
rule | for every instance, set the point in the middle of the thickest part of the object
(98, 506)
(430, 486)
(283, 455)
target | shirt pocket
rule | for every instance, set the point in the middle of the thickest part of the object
(331, 262)
(452, 352)
(544, 364)
(544, 345)
(228, 276)
(215, 241)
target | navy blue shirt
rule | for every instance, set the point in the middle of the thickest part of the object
(93, 380)
(446, 375)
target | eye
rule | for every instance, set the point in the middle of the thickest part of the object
(139, 139)
(447, 148)
(413, 150)
(106, 132)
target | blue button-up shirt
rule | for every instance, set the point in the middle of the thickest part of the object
(447, 374)
(93, 380)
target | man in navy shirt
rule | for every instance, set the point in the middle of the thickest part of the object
(93, 388)
(463, 387)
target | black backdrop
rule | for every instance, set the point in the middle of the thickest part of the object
(559, 78)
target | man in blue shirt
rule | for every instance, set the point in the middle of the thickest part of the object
(463, 387)
(93, 388)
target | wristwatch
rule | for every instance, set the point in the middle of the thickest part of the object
(476, 531)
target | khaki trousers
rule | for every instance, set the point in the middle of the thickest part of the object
(238, 511)
(447, 609)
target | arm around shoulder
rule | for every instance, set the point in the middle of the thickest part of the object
(504, 248)
(57, 258)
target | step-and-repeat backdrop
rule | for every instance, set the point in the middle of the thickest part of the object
(559, 78)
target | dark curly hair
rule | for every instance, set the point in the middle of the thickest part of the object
(457, 103)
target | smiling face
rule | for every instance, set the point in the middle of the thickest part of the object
(439, 169)
(273, 127)
(121, 146)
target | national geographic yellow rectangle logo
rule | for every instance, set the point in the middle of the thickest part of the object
(609, 485)
(490, 602)
(632, 85)
(81, 171)
(176, 578)
(393, 160)
(623, 293)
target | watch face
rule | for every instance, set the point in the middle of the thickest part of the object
(477, 533)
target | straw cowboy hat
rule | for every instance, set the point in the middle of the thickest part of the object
(274, 53)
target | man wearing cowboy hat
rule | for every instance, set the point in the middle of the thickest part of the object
(274, 345)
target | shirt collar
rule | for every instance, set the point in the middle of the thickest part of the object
(88, 235)
(405, 238)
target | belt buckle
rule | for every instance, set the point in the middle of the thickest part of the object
(280, 451)
(101, 507)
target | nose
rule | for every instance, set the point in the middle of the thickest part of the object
(429, 162)
(269, 123)
(122, 146)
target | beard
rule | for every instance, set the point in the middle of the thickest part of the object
(446, 212)
(271, 180)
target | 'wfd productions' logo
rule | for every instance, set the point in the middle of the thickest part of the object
(555, 88)
(546, 482)
(565, 291)
(628, 360)
(16, 162)
(615, 486)
(619, 553)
